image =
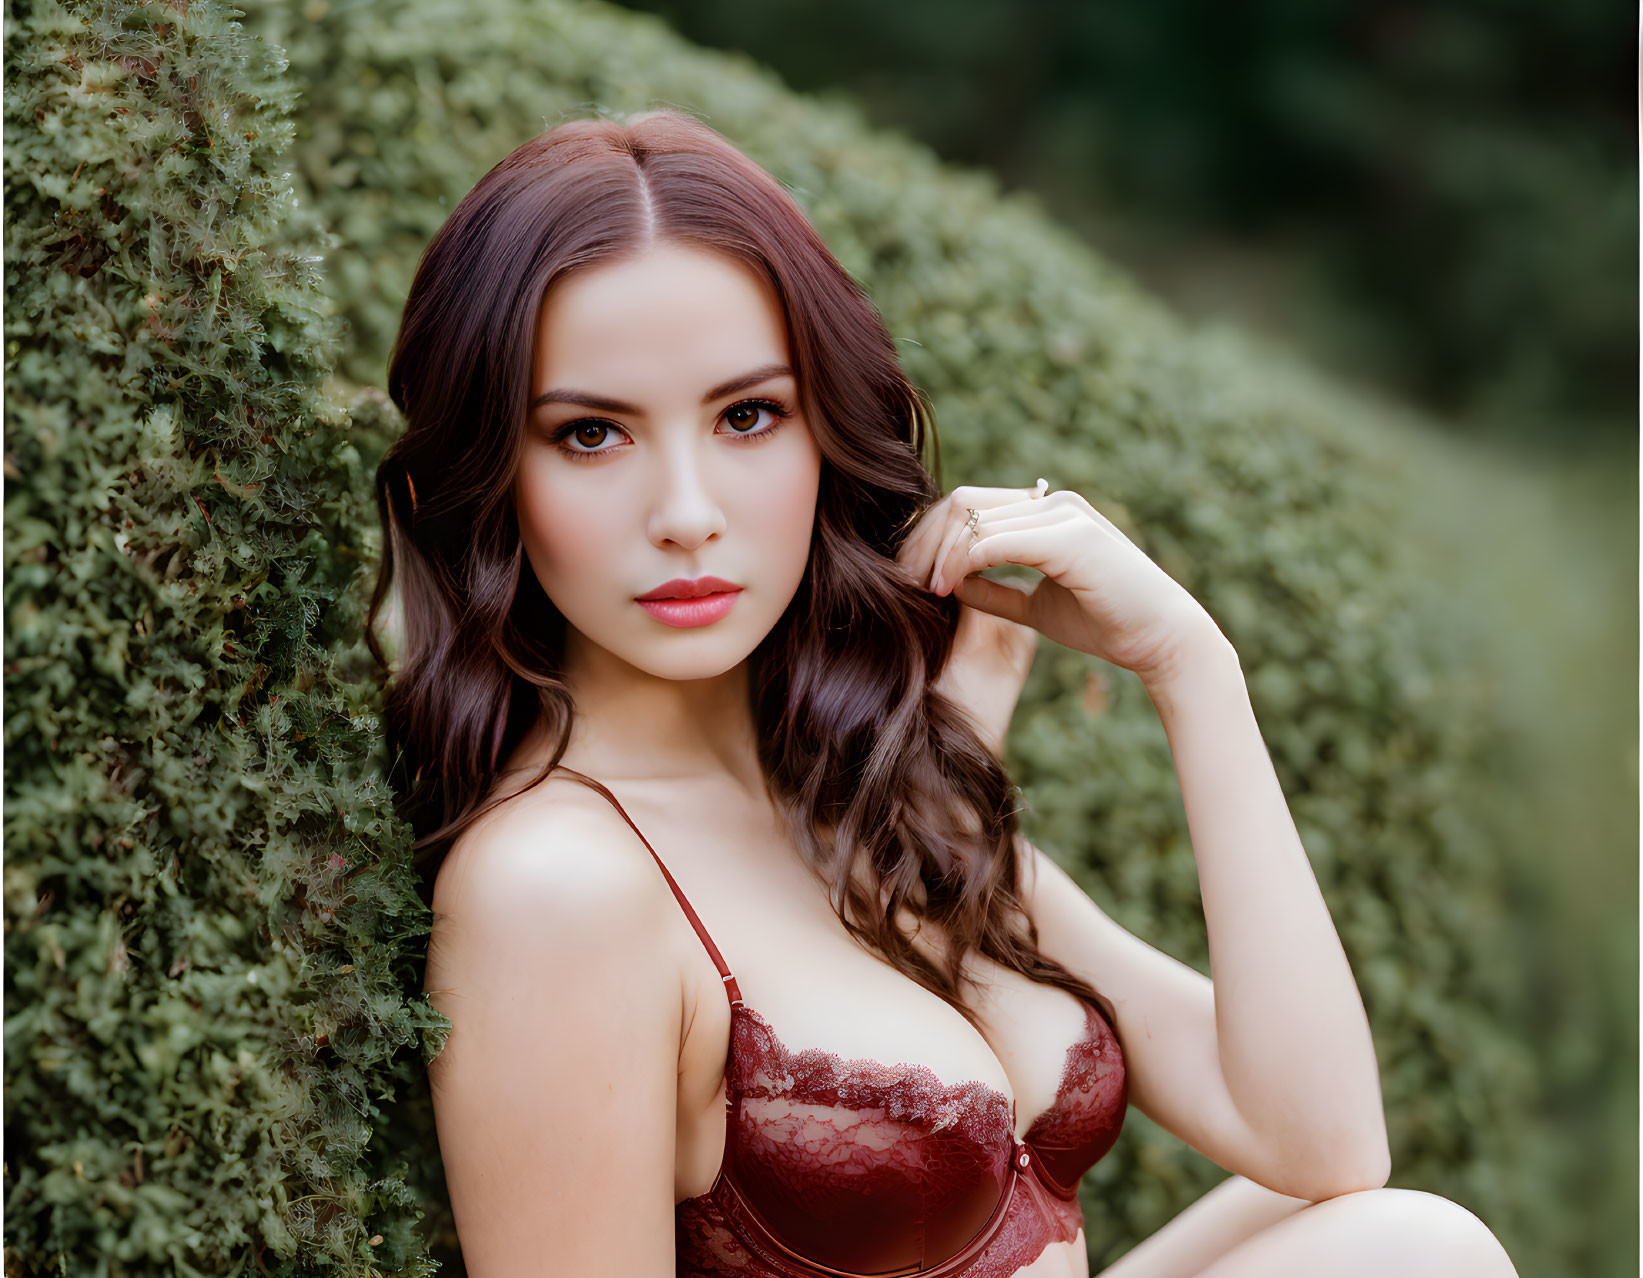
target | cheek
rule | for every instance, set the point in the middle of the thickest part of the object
(783, 517)
(557, 530)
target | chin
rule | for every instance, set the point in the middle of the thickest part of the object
(709, 662)
(703, 652)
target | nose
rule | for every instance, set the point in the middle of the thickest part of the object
(685, 510)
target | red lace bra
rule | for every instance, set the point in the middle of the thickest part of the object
(849, 1168)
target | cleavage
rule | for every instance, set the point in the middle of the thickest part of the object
(879, 1051)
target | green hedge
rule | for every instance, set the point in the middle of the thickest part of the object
(1270, 494)
(205, 902)
(1276, 498)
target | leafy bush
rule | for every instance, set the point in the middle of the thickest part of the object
(206, 897)
(1274, 497)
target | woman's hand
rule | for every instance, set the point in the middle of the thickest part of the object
(1100, 593)
(991, 656)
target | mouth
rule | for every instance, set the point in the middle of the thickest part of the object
(681, 588)
(698, 610)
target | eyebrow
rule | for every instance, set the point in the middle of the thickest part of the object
(586, 400)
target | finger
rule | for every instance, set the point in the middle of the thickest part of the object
(972, 495)
(956, 562)
(1062, 501)
(1039, 548)
(1032, 517)
(1077, 501)
(917, 552)
(955, 537)
(1000, 598)
(920, 531)
(946, 562)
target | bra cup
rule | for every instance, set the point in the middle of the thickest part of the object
(967, 1197)
(853, 1167)
(859, 1166)
(1061, 1170)
(1084, 1123)
(860, 1209)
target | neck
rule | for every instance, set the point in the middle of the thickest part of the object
(632, 725)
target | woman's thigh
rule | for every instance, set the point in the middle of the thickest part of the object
(1242, 1230)
(1233, 1211)
(1370, 1234)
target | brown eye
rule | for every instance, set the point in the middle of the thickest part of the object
(572, 438)
(748, 411)
(581, 437)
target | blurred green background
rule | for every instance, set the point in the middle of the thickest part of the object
(1438, 199)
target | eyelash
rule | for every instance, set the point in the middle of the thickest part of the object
(779, 411)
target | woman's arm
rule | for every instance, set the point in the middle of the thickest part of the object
(1294, 1042)
(988, 664)
(555, 1096)
(1291, 1037)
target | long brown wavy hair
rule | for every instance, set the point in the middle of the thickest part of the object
(879, 778)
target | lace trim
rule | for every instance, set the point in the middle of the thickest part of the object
(763, 1067)
(1092, 1096)
(845, 1122)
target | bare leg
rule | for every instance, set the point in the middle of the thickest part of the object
(1370, 1234)
(1233, 1211)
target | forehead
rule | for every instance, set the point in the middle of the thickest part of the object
(674, 311)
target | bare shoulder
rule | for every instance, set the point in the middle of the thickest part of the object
(557, 842)
(552, 880)
(555, 1096)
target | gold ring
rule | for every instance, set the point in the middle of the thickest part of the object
(974, 522)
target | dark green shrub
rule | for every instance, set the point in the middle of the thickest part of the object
(1274, 497)
(205, 898)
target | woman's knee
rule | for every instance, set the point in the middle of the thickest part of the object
(1444, 1234)
(1370, 1233)
(1449, 1229)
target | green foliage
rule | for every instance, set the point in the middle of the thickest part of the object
(206, 899)
(1270, 494)
(241, 754)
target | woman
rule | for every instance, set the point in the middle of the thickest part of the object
(698, 718)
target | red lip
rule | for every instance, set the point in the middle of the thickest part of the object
(681, 588)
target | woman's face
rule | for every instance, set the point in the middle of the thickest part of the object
(663, 442)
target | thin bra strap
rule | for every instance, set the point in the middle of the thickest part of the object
(732, 990)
